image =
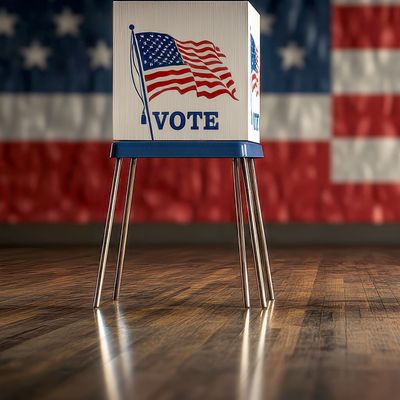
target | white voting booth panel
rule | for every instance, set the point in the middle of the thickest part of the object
(186, 70)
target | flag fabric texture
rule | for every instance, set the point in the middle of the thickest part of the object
(171, 64)
(330, 115)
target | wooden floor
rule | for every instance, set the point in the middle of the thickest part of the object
(179, 331)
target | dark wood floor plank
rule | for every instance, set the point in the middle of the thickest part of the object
(180, 332)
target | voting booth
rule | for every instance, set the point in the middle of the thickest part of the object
(186, 83)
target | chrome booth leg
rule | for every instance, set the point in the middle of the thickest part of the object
(124, 228)
(241, 166)
(261, 231)
(107, 233)
(240, 232)
(254, 232)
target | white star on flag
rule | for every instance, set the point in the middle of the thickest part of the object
(7, 23)
(100, 55)
(35, 55)
(266, 22)
(67, 23)
(292, 56)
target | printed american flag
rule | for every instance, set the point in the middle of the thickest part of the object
(255, 67)
(171, 64)
(330, 118)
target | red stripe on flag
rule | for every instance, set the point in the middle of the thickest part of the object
(366, 26)
(366, 116)
(215, 93)
(206, 67)
(199, 46)
(207, 76)
(196, 62)
(196, 44)
(197, 51)
(70, 182)
(193, 56)
(200, 49)
(54, 182)
(177, 88)
(295, 186)
(209, 84)
(170, 72)
(178, 81)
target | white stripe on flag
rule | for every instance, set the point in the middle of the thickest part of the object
(365, 160)
(88, 117)
(365, 71)
(295, 117)
(55, 117)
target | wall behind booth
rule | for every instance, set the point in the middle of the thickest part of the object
(329, 130)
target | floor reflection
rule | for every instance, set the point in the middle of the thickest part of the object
(244, 359)
(251, 382)
(116, 354)
(116, 343)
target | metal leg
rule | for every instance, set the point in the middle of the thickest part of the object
(107, 233)
(253, 232)
(260, 226)
(124, 228)
(240, 232)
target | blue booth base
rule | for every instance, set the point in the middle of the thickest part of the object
(186, 149)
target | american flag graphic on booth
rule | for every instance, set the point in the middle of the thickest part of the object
(171, 64)
(255, 67)
(330, 118)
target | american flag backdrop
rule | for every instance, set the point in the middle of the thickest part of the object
(330, 123)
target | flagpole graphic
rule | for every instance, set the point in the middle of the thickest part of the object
(144, 92)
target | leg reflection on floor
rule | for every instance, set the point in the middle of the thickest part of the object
(244, 368)
(181, 333)
(117, 363)
(251, 385)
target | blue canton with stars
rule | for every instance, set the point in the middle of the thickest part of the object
(306, 23)
(158, 50)
(253, 50)
(69, 67)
